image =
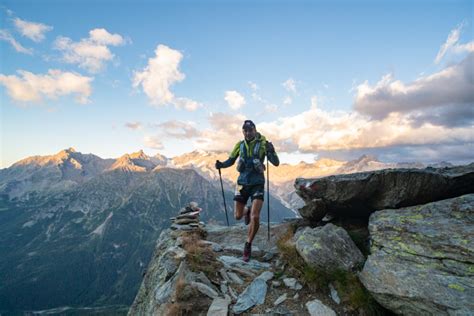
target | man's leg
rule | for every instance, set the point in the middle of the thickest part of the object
(254, 219)
(238, 210)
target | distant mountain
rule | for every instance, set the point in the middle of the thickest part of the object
(370, 163)
(282, 178)
(78, 230)
(138, 162)
(52, 173)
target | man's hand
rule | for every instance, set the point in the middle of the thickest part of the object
(219, 164)
(270, 148)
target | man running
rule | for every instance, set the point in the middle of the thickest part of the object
(251, 182)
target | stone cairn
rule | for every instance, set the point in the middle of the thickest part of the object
(188, 218)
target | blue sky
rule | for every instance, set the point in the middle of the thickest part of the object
(320, 78)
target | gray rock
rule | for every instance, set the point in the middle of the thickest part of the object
(161, 277)
(266, 276)
(204, 289)
(223, 287)
(238, 248)
(235, 278)
(233, 294)
(244, 272)
(215, 246)
(268, 256)
(181, 227)
(189, 216)
(280, 300)
(224, 275)
(230, 261)
(280, 310)
(360, 194)
(276, 283)
(334, 295)
(292, 284)
(219, 307)
(422, 259)
(185, 221)
(317, 308)
(328, 247)
(253, 295)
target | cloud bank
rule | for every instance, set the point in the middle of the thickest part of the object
(90, 53)
(30, 87)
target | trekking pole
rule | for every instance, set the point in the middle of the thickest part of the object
(268, 197)
(223, 197)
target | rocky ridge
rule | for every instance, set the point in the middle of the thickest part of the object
(220, 283)
(420, 261)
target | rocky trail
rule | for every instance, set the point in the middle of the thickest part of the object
(261, 286)
(201, 272)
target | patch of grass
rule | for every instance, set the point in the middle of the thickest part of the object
(200, 256)
(353, 293)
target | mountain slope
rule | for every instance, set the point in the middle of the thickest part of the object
(88, 244)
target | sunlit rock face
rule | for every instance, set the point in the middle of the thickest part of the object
(359, 194)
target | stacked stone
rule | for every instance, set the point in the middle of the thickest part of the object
(188, 218)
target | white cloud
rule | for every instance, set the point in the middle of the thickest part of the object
(89, 53)
(316, 131)
(133, 125)
(234, 99)
(253, 86)
(225, 131)
(287, 100)
(7, 37)
(153, 142)
(271, 108)
(179, 129)
(161, 73)
(101, 36)
(187, 104)
(314, 102)
(30, 87)
(290, 85)
(451, 44)
(443, 98)
(32, 30)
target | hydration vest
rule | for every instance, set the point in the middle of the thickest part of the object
(249, 163)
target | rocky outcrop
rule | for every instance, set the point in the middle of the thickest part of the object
(422, 258)
(328, 247)
(360, 194)
(197, 269)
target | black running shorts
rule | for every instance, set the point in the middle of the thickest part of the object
(244, 192)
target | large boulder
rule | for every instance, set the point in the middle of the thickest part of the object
(328, 247)
(360, 194)
(422, 258)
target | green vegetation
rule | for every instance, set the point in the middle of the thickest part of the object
(200, 256)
